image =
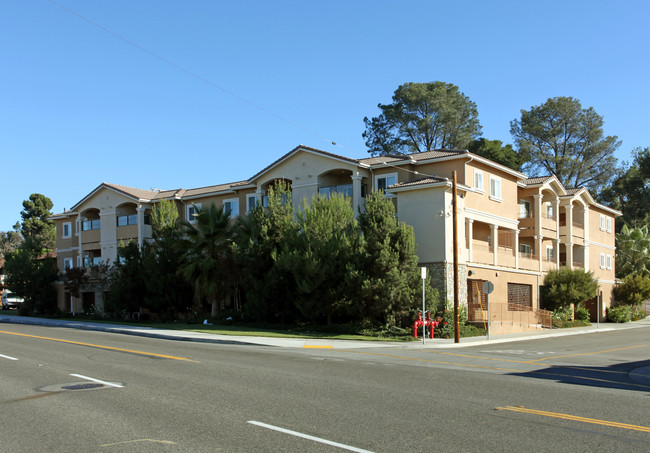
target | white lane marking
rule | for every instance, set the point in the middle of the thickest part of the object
(7, 357)
(110, 384)
(306, 436)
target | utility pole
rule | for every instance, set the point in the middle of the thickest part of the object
(455, 239)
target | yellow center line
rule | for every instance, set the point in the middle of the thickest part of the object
(584, 353)
(496, 359)
(110, 348)
(315, 346)
(596, 421)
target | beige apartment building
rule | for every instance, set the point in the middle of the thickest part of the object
(511, 229)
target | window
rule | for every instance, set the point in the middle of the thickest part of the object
(525, 249)
(384, 181)
(602, 261)
(608, 262)
(478, 180)
(251, 201)
(549, 253)
(549, 211)
(609, 224)
(67, 230)
(343, 189)
(192, 212)
(91, 225)
(519, 294)
(524, 209)
(125, 220)
(67, 264)
(603, 223)
(231, 207)
(495, 188)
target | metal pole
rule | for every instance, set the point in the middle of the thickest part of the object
(489, 324)
(598, 314)
(455, 237)
(424, 276)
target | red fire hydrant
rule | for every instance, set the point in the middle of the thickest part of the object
(429, 323)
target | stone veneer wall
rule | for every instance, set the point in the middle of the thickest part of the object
(442, 278)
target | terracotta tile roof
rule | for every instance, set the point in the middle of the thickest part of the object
(574, 191)
(132, 191)
(537, 180)
(436, 154)
(212, 189)
(419, 182)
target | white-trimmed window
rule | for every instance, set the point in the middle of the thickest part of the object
(603, 223)
(495, 188)
(67, 264)
(251, 201)
(608, 262)
(602, 261)
(549, 253)
(193, 211)
(609, 224)
(478, 180)
(231, 207)
(67, 230)
(382, 182)
(524, 209)
(549, 210)
(525, 249)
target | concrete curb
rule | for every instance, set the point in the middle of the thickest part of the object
(183, 335)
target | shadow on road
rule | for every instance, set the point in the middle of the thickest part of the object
(627, 376)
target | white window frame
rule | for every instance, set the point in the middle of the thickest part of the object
(609, 224)
(549, 253)
(479, 181)
(524, 209)
(248, 202)
(385, 176)
(68, 263)
(495, 194)
(608, 262)
(602, 223)
(234, 207)
(69, 228)
(525, 249)
(549, 210)
(191, 212)
(602, 261)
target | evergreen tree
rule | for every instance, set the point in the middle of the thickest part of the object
(37, 225)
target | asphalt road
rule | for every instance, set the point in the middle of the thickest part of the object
(64, 390)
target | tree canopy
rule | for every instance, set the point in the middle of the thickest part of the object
(37, 225)
(630, 190)
(496, 151)
(423, 117)
(562, 138)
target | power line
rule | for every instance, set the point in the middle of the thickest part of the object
(192, 74)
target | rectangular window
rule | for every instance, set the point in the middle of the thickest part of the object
(549, 211)
(609, 224)
(602, 261)
(524, 209)
(67, 264)
(384, 181)
(67, 230)
(192, 212)
(608, 262)
(495, 188)
(251, 201)
(478, 180)
(603, 223)
(231, 207)
(91, 225)
(549, 253)
(125, 220)
(525, 249)
(519, 294)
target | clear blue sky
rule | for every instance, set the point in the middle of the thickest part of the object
(80, 106)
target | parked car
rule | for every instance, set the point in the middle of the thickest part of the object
(10, 300)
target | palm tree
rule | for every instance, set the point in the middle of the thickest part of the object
(633, 251)
(208, 253)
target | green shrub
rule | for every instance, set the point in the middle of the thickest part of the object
(622, 313)
(633, 291)
(565, 286)
(638, 314)
(581, 313)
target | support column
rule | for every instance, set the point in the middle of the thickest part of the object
(80, 258)
(516, 248)
(140, 210)
(356, 194)
(569, 255)
(556, 252)
(569, 223)
(470, 238)
(495, 243)
(538, 250)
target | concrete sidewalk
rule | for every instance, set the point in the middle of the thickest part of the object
(436, 343)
